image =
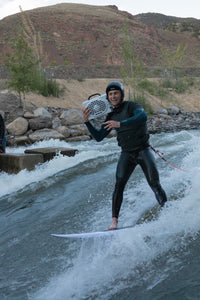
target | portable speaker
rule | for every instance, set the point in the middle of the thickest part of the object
(99, 106)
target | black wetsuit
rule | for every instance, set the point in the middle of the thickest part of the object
(133, 138)
(2, 135)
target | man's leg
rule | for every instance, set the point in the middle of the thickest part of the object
(124, 169)
(148, 165)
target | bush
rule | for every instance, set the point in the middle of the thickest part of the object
(141, 99)
(153, 88)
(44, 86)
(180, 85)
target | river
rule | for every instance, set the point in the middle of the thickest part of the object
(156, 259)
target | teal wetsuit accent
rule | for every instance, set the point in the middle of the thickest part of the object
(139, 116)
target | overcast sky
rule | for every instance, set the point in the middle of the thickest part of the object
(177, 8)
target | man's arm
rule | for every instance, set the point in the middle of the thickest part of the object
(139, 117)
(100, 134)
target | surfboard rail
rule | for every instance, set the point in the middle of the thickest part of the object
(91, 234)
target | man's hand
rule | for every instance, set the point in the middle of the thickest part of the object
(86, 113)
(111, 124)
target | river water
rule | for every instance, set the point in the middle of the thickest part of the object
(156, 259)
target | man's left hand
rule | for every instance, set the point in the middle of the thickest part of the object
(111, 124)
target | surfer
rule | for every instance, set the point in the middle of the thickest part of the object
(128, 118)
(2, 135)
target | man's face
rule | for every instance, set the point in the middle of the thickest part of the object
(114, 97)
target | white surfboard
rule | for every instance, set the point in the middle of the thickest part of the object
(91, 234)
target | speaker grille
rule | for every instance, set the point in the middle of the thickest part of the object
(98, 106)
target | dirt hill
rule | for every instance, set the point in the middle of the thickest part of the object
(87, 35)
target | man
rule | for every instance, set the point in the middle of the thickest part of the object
(2, 135)
(129, 120)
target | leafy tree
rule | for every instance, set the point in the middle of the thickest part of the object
(132, 70)
(172, 61)
(21, 65)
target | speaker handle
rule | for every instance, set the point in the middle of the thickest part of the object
(97, 94)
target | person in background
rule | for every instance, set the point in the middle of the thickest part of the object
(2, 135)
(129, 119)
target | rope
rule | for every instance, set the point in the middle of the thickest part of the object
(160, 154)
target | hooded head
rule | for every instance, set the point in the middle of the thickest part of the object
(115, 85)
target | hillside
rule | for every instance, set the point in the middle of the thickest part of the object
(162, 21)
(87, 35)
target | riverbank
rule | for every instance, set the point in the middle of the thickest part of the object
(61, 118)
(67, 124)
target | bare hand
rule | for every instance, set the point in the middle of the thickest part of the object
(111, 124)
(86, 113)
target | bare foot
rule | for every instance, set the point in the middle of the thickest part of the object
(113, 225)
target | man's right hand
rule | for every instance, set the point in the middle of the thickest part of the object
(86, 112)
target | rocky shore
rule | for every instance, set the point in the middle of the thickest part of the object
(29, 126)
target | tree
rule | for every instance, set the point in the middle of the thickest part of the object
(171, 61)
(132, 70)
(21, 65)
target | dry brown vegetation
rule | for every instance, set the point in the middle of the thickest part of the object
(76, 92)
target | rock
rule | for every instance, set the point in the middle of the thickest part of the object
(56, 123)
(64, 131)
(76, 130)
(165, 117)
(40, 123)
(18, 127)
(29, 115)
(175, 110)
(79, 138)
(45, 134)
(71, 117)
(41, 111)
(19, 141)
(162, 111)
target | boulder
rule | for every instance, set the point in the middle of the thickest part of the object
(175, 110)
(41, 111)
(40, 123)
(45, 134)
(76, 130)
(28, 115)
(64, 131)
(18, 127)
(71, 117)
(18, 141)
(56, 122)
